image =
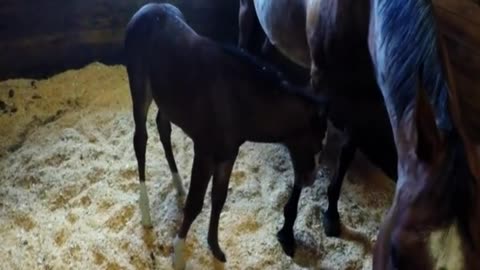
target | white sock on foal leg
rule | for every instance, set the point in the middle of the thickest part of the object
(145, 206)
(177, 182)
(179, 253)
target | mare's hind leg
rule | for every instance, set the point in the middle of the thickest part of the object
(165, 130)
(331, 218)
(285, 236)
(221, 179)
(201, 172)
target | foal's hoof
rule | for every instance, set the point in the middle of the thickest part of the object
(331, 225)
(287, 241)
(218, 253)
(179, 254)
(147, 225)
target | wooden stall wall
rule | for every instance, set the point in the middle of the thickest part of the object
(459, 22)
(39, 38)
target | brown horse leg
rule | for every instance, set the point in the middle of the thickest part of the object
(219, 194)
(165, 130)
(285, 236)
(331, 218)
(202, 170)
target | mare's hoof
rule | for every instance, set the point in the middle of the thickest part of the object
(287, 241)
(331, 225)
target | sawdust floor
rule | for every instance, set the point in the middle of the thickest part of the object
(69, 198)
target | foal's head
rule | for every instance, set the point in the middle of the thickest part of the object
(433, 222)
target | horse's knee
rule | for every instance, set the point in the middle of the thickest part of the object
(193, 210)
(140, 135)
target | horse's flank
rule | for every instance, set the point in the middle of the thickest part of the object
(282, 21)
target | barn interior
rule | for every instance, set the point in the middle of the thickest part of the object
(68, 173)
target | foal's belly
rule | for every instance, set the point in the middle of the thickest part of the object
(284, 21)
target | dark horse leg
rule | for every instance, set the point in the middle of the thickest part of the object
(221, 179)
(331, 218)
(285, 236)
(141, 99)
(165, 130)
(202, 170)
(245, 23)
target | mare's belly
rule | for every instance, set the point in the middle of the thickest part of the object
(284, 21)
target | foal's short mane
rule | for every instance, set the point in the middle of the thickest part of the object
(270, 75)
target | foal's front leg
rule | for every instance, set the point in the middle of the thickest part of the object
(221, 179)
(201, 172)
(285, 236)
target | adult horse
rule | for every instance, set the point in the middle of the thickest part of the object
(331, 37)
(434, 222)
(220, 97)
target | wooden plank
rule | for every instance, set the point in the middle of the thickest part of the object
(39, 38)
(467, 9)
(60, 51)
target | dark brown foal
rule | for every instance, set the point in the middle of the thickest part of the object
(220, 97)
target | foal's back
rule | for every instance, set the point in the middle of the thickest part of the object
(205, 88)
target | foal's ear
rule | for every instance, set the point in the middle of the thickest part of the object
(427, 134)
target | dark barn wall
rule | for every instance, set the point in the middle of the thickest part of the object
(39, 38)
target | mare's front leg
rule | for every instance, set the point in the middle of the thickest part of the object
(285, 236)
(221, 179)
(201, 172)
(331, 218)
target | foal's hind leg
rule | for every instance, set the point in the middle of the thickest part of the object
(331, 218)
(165, 130)
(201, 172)
(221, 179)
(285, 236)
(141, 99)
